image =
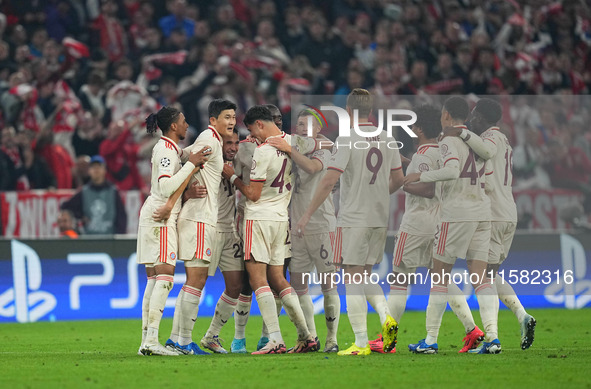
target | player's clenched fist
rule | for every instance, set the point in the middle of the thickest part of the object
(228, 171)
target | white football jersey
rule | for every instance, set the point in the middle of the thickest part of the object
(323, 220)
(205, 210)
(242, 165)
(421, 214)
(462, 199)
(273, 168)
(166, 162)
(364, 188)
(499, 183)
(227, 206)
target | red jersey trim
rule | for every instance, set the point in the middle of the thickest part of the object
(396, 168)
(449, 159)
(318, 159)
(163, 175)
(461, 126)
(334, 168)
(215, 133)
(258, 180)
(489, 173)
(490, 140)
(423, 148)
(171, 143)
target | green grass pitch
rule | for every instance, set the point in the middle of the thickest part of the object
(103, 354)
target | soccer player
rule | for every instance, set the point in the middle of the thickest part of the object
(197, 230)
(368, 177)
(491, 144)
(315, 248)
(265, 230)
(157, 240)
(414, 242)
(242, 166)
(227, 255)
(463, 231)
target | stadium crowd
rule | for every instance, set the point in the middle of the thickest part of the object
(78, 78)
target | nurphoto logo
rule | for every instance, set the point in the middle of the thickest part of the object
(387, 120)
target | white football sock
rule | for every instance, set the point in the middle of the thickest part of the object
(397, 301)
(488, 302)
(375, 297)
(459, 305)
(435, 310)
(357, 312)
(162, 288)
(241, 314)
(308, 310)
(294, 311)
(223, 311)
(176, 319)
(146, 305)
(332, 313)
(189, 311)
(268, 311)
(509, 298)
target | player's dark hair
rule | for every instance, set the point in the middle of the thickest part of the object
(216, 107)
(272, 107)
(428, 120)
(258, 112)
(489, 110)
(163, 119)
(457, 107)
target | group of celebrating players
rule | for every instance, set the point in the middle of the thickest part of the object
(459, 204)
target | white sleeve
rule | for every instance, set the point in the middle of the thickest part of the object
(169, 185)
(485, 147)
(451, 163)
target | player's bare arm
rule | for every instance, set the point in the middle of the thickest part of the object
(422, 189)
(323, 190)
(396, 180)
(308, 165)
(252, 191)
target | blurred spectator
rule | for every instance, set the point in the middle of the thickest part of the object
(92, 95)
(38, 174)
(176, 19)
(67, 224)
(88, 136)
(120, 153)
(528, 161)
(109, 32)
(570, 168)
(98, 204)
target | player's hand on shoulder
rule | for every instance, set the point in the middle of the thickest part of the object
(450, 131)
(412, 177)
(280, 144)
(200, 157)
(228, 171)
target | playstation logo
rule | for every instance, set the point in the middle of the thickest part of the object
(24, 300)
(575, 294)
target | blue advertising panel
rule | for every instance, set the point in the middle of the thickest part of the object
(99, 279)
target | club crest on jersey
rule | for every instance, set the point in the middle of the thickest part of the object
(165, 162)
(208, 252)
(172, 255)
(423, 167)
(254, 165)
(444, 150)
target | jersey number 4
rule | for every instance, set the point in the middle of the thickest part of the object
(469, 170)
(279, 181)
